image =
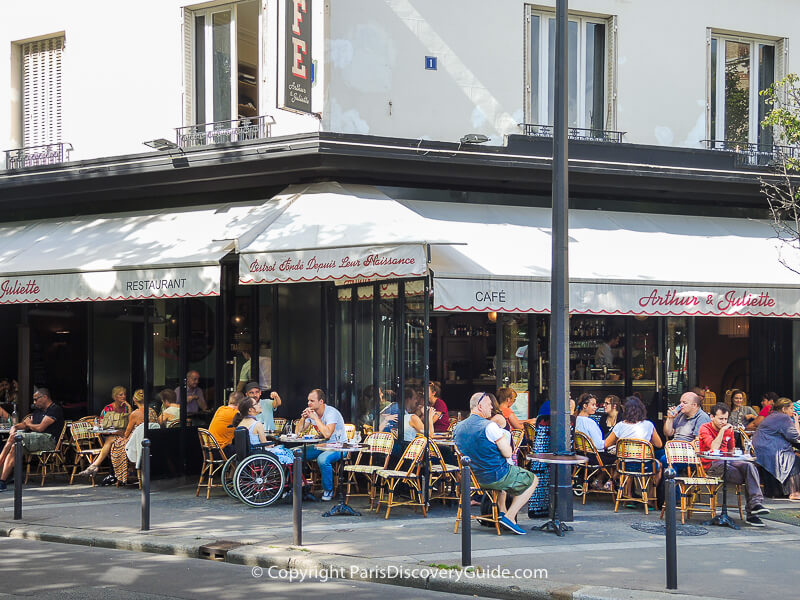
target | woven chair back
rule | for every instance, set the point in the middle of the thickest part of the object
(209, 444)
(681, 452)
(82, 432)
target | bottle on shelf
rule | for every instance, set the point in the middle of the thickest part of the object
(14, 419)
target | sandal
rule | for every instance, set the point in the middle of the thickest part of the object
(89, 471)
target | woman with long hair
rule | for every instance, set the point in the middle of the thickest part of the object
(612, 412)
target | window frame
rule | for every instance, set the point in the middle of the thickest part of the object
(208, 88)
(717, 134)
(542, 85)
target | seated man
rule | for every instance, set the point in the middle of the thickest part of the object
(330, 424)
(40, 431)
(171, 410)
(489, 449)
(222, 424)
(684, 422)
(195, 401)
(718, 435)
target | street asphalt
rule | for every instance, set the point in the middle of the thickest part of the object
(604, 557)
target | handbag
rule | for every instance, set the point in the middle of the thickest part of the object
(114, 420)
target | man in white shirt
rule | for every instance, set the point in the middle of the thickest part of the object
(330, 424)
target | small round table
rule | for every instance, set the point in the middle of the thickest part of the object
(722, 518)
(555, 524)
(342, 508)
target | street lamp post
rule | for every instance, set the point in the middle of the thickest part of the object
(559, 290)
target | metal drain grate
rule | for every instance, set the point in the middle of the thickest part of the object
(661, 529)
(218, 550)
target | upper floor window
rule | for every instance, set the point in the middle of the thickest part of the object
(221, 66)
(590, 70)
(740, 69)
(41, 91)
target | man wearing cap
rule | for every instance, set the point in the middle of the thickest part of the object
(40, 431)
(268, 405)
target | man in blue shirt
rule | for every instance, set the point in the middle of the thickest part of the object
(489, 449)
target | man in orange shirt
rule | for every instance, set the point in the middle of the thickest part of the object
(220, 426)
(718, 436)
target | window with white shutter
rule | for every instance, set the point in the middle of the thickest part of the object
(41, 91)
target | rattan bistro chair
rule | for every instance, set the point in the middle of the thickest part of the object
(475, 488)
(636, 463)
(444, 478)
(49, 462)
(695, 483)
(407, 470)
(590, 471)
(369, 461)
(86, 445)
(213, 460)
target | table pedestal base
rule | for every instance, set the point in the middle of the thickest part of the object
(341, 510)
(555, 526)
(723, 520)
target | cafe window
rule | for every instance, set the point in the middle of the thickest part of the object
(590, 70)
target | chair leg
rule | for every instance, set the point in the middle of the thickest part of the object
(495, 512)
(200, 483)
(739, 500)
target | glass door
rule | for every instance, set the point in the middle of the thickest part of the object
(676, 365)
(513, 360)
(345, 376)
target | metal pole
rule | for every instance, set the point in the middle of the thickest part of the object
(559, 288)
(669, 519)
(297, 496)
(426, 379)
(18, 459)
(145, 484)
(466, 514)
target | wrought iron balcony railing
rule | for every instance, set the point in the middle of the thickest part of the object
(225, 132)
(574, 133)
(754, 155)
(35, 156)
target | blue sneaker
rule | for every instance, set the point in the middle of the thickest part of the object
(509, 524)
(3, 486)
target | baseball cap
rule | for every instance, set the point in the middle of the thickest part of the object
(251, 386)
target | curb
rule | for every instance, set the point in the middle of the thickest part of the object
(355, 568)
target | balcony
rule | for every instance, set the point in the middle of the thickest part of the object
(36, 156)
(574, 133)
(754, 155)
(225, 132)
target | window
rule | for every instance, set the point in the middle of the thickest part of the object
(221, 66)
(41, 91)
(590, 70)
(740, 68)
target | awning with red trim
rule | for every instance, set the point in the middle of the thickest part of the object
(619, 263)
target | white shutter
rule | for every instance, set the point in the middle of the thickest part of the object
(41, 91)
(188, 67)
(611, 73)
(781, 58)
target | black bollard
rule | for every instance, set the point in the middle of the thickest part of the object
(297, 496)
(145, 484)
(669, 519)
(18, 458)
(466, 514)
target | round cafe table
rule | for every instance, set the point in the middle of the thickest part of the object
(555, 524)
(341, 509)
(722, 519)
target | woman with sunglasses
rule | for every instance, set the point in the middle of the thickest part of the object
(612, 412)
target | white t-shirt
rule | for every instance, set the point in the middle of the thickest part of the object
(494, 432)
(643, 430)
(590, 429)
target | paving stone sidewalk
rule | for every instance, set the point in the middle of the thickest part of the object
(603, 558)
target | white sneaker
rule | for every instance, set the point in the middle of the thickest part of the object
(327, 496)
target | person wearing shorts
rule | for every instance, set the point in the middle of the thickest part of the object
(489, 448)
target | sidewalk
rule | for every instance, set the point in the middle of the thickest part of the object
(603, 558)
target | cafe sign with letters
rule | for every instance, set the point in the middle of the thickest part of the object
(333, 264)
(295, 71)
(604, 298)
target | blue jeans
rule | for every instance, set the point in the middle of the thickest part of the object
(325, 461)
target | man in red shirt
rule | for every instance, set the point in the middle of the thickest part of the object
(718, 436)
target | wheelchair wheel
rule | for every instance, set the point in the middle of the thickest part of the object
(228, 470)
(259, 480)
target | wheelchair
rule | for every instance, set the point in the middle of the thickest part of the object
(254, 475)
